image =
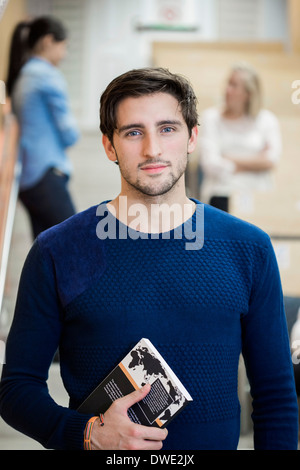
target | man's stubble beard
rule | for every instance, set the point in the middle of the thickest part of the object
(153, 189)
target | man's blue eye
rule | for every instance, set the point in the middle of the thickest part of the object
(167, 129)
(133, 133)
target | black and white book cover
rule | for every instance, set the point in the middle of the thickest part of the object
(143, 364)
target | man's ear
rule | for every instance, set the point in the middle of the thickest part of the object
(193, 140)
(109, 149)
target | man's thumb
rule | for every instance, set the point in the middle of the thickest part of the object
(135, 396)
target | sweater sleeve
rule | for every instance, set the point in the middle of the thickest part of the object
(268, 362)
(25, 403)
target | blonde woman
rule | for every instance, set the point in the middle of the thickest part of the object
(240, 143)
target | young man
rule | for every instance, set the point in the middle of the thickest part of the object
(128, 269)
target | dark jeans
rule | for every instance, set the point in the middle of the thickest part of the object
(48, 203)
(220, 202)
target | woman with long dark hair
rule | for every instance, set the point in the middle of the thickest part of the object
(39, 99)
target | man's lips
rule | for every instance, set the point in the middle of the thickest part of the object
(154, 168)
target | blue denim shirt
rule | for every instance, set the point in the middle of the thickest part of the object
(47, 127)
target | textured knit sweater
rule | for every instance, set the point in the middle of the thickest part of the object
(95, 297)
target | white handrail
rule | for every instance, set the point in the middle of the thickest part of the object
(11, 206)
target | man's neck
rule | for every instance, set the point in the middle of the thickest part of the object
(152, 214)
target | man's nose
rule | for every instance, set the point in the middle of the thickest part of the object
(151, 146)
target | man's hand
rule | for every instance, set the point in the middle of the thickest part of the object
(120, 433)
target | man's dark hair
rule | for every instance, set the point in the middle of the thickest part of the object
(146, 81)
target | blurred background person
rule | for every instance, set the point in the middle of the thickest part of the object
(40, 101)
(240, 143)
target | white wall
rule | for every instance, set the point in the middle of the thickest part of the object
(111, 44)
(275, 25)
(111, 47)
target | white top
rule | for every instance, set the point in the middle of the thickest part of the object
(240, 138)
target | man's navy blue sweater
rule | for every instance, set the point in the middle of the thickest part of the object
(96, 298)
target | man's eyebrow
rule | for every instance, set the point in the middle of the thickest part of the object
(172, 122)
(130, 126)
(168, 122)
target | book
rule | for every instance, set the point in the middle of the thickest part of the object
(143, 364)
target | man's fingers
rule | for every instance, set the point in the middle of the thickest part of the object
(121, 433)
(134, 397)
(148, 437)
(154, 434)
(139, 432)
